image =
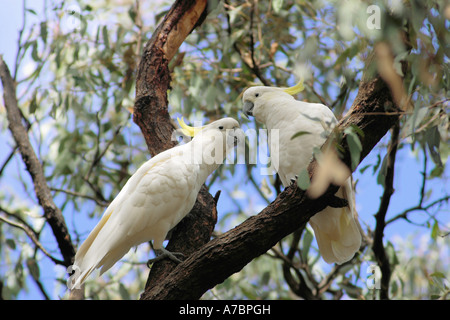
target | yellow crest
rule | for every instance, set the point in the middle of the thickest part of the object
(295, 89)
(188, 130)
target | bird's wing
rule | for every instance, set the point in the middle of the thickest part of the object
(294, 154)
(336, 229)
(154, 200)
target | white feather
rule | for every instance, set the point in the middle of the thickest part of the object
(336, 229)
(161, 192)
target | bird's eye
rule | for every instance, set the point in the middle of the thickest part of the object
(256, 95)
(221, 127)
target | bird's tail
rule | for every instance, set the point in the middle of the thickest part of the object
(336, 229)
(79, 275)
(85, 265)
(90, 254)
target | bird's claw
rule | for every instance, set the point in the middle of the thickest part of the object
(294, 180)
(164, 254)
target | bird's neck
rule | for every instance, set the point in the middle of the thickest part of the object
(208, 154)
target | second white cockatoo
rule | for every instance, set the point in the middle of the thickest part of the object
(155, 198)
(300, 128)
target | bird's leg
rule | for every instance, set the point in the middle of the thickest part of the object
(163, 254)
(294, 180)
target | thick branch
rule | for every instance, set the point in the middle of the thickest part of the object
(153, 76)
(152, 116)
(52, 213)
(230, 252)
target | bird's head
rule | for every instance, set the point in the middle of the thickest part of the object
(212, 142)
(255, 98)
(227, 129)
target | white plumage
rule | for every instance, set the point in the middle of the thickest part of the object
(336, 229)
(161, 193)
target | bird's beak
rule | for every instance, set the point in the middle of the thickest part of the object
(248, 108)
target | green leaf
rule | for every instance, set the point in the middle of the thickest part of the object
(34, 268)
(352, 290)
(34, 52)
(33, 104)
(377, 165)
(265, 278)
(357, 130)
(31, 11)
(299, 134)
(44, 31)
(306, 244)
(124, 292)
(354, 144)
(436, 172)
(303, 180)
(392, 255)
(11, 243)
(355, 149)
(363, 169)
(382, 174)
(438, 274)
(132, 14)
(435, 230)
(433, 139)
(277, 5)
(105, 36)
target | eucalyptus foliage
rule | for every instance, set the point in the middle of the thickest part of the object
(75, 73)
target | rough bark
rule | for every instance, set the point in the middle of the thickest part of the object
(219, 258)
(229, 253)
(152, 116)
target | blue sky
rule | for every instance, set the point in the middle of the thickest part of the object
(407, 181)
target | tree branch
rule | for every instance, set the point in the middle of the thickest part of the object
(52, 213)
(377, 247)
(291, 210)
(248, 62)
(30, 233)
(230, 252)
(152, 116)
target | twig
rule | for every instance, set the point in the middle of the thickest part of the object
(419, 206)
(250, 63)
(7, 160)
(32, 235)
(255, 67)
(404, 214)
(322, 99)
(19, 41)
(52, 213)
(77, 194)
(377, 247)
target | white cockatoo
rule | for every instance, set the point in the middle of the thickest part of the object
(155, 198)
(336, 229)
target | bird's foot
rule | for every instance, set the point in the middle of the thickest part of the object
(164, 254)
(294, 180)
